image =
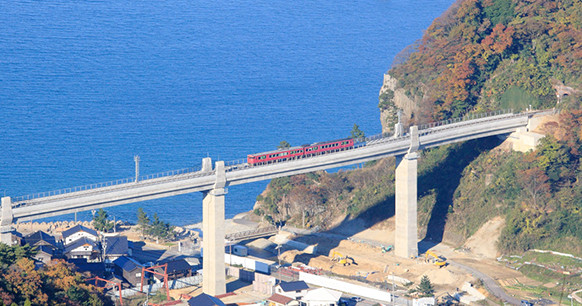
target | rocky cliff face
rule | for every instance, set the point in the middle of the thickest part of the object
(393, 98)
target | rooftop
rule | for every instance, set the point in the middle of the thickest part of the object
(79, 228)
(293, 286)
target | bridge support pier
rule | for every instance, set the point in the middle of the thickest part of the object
(6, 221)
(213, 269)
(406, 240)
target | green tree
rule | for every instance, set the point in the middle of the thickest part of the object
(143, 221)
(425, 288)
(101, 221)
(160, 229)
(284, 145)
(10, 254)
(357, 133)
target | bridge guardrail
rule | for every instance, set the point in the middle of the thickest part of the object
(118, 182)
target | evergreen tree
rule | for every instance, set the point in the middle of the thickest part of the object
(143, 221)
(101, 222)
(357, 133)
(160, 229)
(425, 288)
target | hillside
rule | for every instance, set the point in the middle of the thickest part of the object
(478, 56)
(487, 55)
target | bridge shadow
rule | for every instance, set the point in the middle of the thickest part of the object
(442, 180)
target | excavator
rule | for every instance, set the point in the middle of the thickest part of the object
(437, 260)
(341, 259)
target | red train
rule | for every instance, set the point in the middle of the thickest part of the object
(300, 152)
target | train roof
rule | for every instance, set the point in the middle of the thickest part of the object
(297, 147)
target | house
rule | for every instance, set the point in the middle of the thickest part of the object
(83, 248)
(114, 247)
(205, 300)
(77, 232)
(281, 300)
(45, 244)
(295, 290)
(44, 254)
(41, 238)
(129, 269)
(321, 297)
(88, 268)
(176, 269)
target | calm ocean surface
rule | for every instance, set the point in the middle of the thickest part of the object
(86, 85)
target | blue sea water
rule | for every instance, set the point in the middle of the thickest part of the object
(86, 85)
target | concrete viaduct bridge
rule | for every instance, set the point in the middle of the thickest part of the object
(213, 183)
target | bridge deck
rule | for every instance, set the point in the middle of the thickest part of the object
(375, 147)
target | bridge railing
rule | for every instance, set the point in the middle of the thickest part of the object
(106, 184)
(428, 128)
(237, 164)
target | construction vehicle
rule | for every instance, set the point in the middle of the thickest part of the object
(341, 259)
(437, 260)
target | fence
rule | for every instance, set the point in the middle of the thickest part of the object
(351, 288)
(174, 284)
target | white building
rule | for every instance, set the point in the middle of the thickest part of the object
(295, 290)
(322, 297)
(77, 232)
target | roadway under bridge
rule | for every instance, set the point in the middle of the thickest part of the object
(213, 183)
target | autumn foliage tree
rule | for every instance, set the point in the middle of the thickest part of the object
(479, 49)
(54, 284)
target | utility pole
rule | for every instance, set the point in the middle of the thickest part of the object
(136, 159)
(393, 296)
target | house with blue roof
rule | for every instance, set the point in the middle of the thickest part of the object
(83, 248)
(205, 300)
(129, 269)
(45, 244)
(115, 247)
(77, 232)
(295, 290)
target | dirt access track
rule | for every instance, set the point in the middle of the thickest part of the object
(375, 266)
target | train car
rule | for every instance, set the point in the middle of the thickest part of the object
(275, 156)
(300, 152)
(329, 147)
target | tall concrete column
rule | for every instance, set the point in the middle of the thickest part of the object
(406, 240)
(213, 269)
(6, 221)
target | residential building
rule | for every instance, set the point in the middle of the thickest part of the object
(114, 247)
(77, 232)
(88, 269)
(281, 300)
(295, 290)
(83, 248)
(176, 269)
(129, 269)
(41, 238)
(205, 300)
(45, 244)
(321, 297)
(44, 254)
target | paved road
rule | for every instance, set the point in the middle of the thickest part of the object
(490, 284)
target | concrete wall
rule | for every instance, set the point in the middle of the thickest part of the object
(346, 287)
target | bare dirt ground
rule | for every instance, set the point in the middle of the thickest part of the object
(479, 252)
